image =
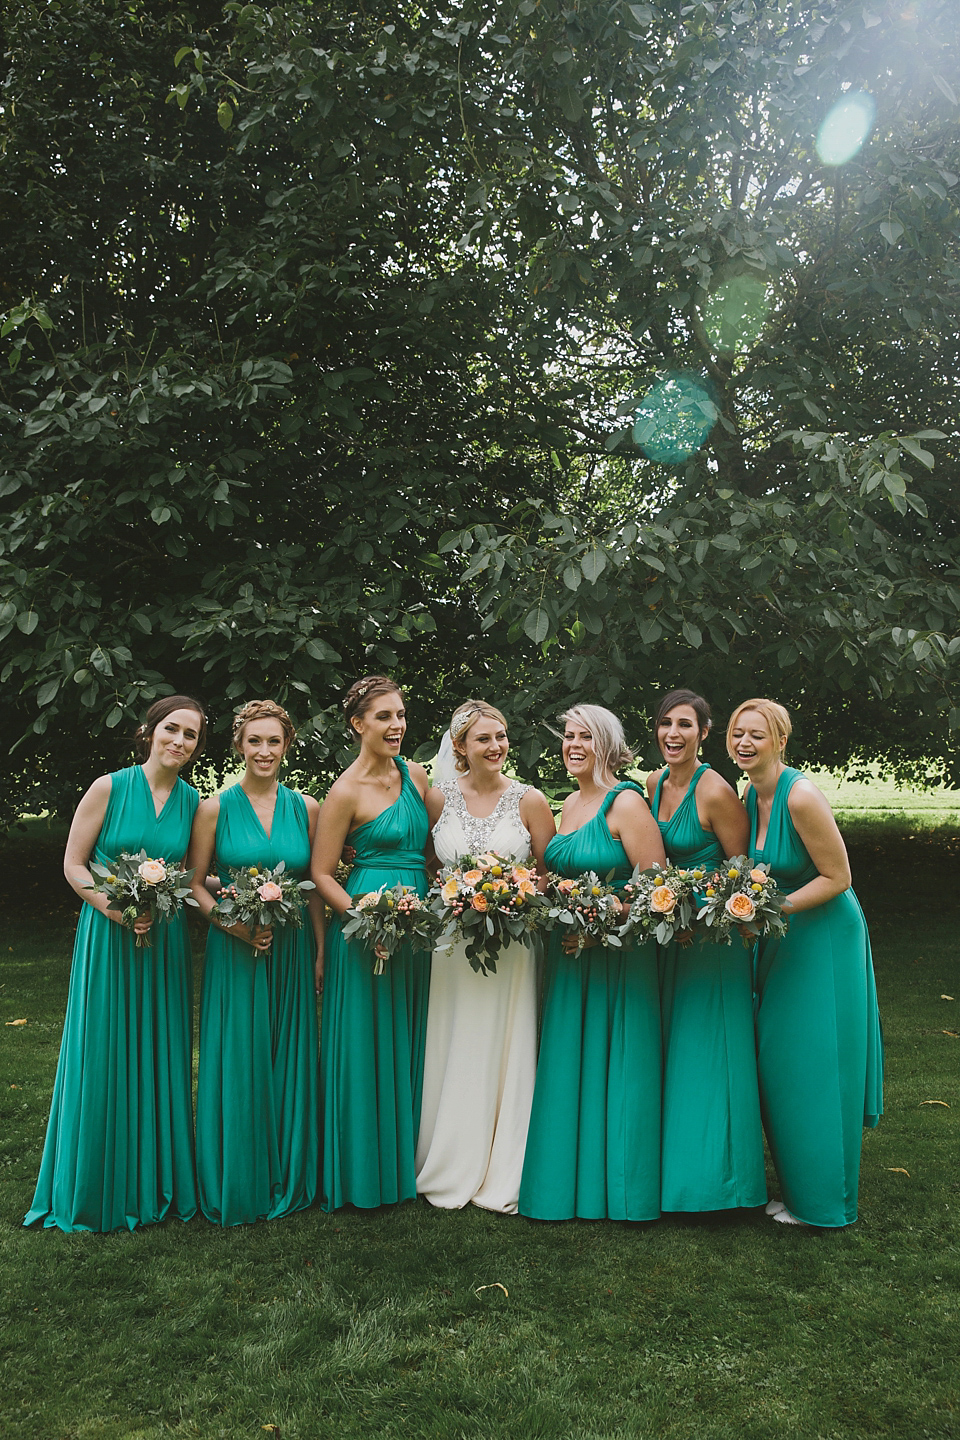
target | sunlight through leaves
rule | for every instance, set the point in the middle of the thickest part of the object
(846, 128)
(735, 313)
(674, 419)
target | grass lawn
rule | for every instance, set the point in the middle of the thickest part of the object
(378, 1324)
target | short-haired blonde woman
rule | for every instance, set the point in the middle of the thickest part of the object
(819, 1048)
(593, 1148)
(258, 1113)
(481, 1052)
(374, 1026)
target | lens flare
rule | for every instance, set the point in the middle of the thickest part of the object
(846, 128)
(673, 419)
(735, 312)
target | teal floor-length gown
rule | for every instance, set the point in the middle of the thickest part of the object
(593, 1147)
(819, 1045)
(374, 1026)
(258, 1113)
(712, 1137)
(119, 1146)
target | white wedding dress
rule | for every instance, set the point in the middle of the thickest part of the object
(481, 1049)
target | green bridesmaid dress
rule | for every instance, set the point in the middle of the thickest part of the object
(819, 1045)
(593, 1147)
(119, 1146)
(374, 1026)
(258, 1110)
(712, 1137)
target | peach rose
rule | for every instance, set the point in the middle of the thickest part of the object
(758, 876)
(269, 890)
(473, 876)
(520, 872)
(741, 907)
(662, 900)
(526, 887)
(479, 902)
(565, 886)
(449, 890)
(153, 871)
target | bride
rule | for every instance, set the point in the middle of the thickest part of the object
(481, 1049)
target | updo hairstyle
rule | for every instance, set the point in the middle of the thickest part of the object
(697, 704)
(159, 710)
(609, 742)
(775, 715)
(461, 721)
(262, 710)
(360, 697)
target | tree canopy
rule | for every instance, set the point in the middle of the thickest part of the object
(533, 349)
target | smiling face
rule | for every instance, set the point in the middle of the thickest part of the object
(263, 745)
(175, 738)
(484, 745)
(578, 751)
(753, 744)
(679, 735)
(382, 725)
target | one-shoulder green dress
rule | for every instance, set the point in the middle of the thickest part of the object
(819, 1044)
(374, 1026)
(593, 1147)
(119, 1145)
(258, 1113)
(712, 1137)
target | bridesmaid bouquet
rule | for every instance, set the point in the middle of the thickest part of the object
(258, 896)
(664, 903)
(136, 885)
(588, 907)
(742, 896)
(486, 901)
(383, 920)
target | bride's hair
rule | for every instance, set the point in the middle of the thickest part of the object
(460, 722)
(609, 742)
(361, 696)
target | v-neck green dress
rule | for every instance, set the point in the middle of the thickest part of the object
(374, 1026)
(712, 1137)
(119, 1145)
(593, 1147)
(819, 1044)
(258, 1113)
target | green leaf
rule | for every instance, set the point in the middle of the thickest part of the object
(693, 634)
(46, 692)
(536, 624)
(224, 115)
(593, 564)
(27, 621)
(891, 230)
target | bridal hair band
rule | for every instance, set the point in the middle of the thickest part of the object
(463, 719)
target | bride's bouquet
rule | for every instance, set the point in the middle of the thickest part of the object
(742, 896)
(259, 896)
(137, 885)
(383, 920)
(663, 903)
(486, 901)
(587, 907)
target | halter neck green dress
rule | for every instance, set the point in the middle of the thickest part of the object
(258, 1113)
(819, 1045)
(374, 1026)
(593, 1147)
(119, 1145)
(712, 1138)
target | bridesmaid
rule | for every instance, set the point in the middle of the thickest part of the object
(481, 1046)
(819, 1044)
(373, 1025)
(593, 1148)
(712, 1138)
(119, 1145)
(257, 1103)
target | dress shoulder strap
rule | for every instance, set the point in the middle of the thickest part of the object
(617, 790)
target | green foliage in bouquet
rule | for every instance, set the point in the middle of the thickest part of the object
(742, 896)
(663, 903)
(588, 907)
(139, 885)
(260, 897)
(386, 919)
(487, 901)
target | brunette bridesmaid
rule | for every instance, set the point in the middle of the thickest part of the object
(119, 1145)
(374, 1026)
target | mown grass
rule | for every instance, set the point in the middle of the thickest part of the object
(358, 1324)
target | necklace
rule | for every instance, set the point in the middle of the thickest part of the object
(387, 784)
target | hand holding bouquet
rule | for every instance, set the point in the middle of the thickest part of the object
(587, 908)
(136, 885)
(663, 903)
(261, 898)
(383, 920)
(742, 896)
(486, 901)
